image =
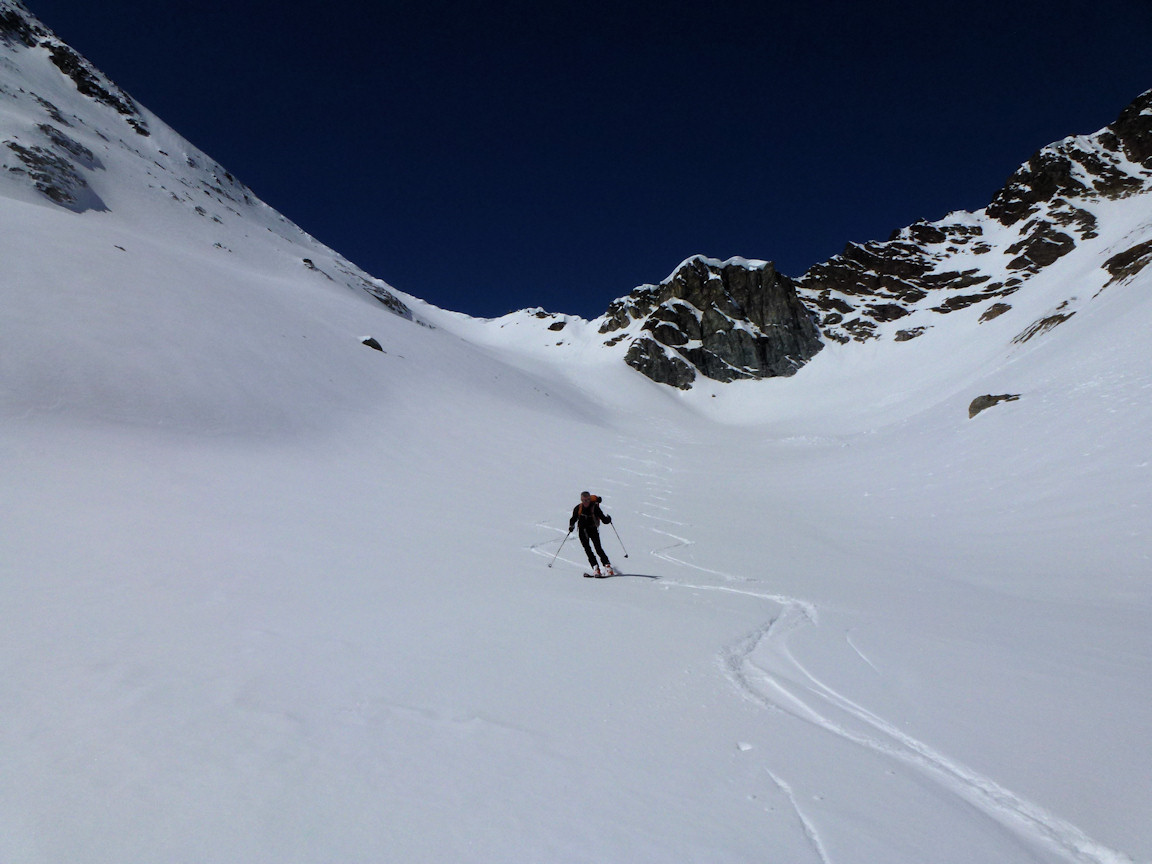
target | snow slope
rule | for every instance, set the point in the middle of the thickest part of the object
(269, 595)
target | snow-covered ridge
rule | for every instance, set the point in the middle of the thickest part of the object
(1070, 201)
(70, 138)
(119, 232)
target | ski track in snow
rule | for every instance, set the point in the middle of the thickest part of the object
(553, 556)
(854, 647)
(764, 671)
(809, 829)
(771, 689)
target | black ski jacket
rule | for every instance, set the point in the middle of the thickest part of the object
(589, 517)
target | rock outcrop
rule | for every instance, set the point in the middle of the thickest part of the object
(724, 320)
(983, 403)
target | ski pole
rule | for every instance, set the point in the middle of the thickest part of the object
(617, 533)
(562, 542)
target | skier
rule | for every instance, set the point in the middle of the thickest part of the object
(589, 516)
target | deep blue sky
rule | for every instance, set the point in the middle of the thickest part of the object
(492, 156)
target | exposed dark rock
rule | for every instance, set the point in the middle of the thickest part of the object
(658, 363)
(1069, 170)
(1043, 246)
(725, 320)
(636, 305)
(874, 283)
(372, 342)
(1074, 217)
(1047, 175)
(1129, 262)
(56, 178)
(307, 262)
(861, 329)
(838, 336)
(73, 148)
(953, 279)
(52, 110)
(57, 165)
(835, 306)
(88, 81)
(557, 325)
(1132, 130)
(888, 278)
(387, 298)
(18, 27)
(960, 301)
(925, 233)
(982, 403)
(376, 288)
(887, 311)
(908, 335)
(1042, 326)
(994, 311)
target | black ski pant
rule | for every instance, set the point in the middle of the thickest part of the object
(594, 535)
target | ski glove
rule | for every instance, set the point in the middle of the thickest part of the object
(607, 519)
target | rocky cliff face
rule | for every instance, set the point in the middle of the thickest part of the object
(724, 320)
(741, 319)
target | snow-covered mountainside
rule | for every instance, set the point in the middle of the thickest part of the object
(89, 154)
(1078, 205)
(268, 594)
(88, 174)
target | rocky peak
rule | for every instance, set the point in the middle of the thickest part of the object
(968, 259)
(1132, 131)
(725, 320)
(1112, 163)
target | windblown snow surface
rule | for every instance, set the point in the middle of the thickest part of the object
(268, 595)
